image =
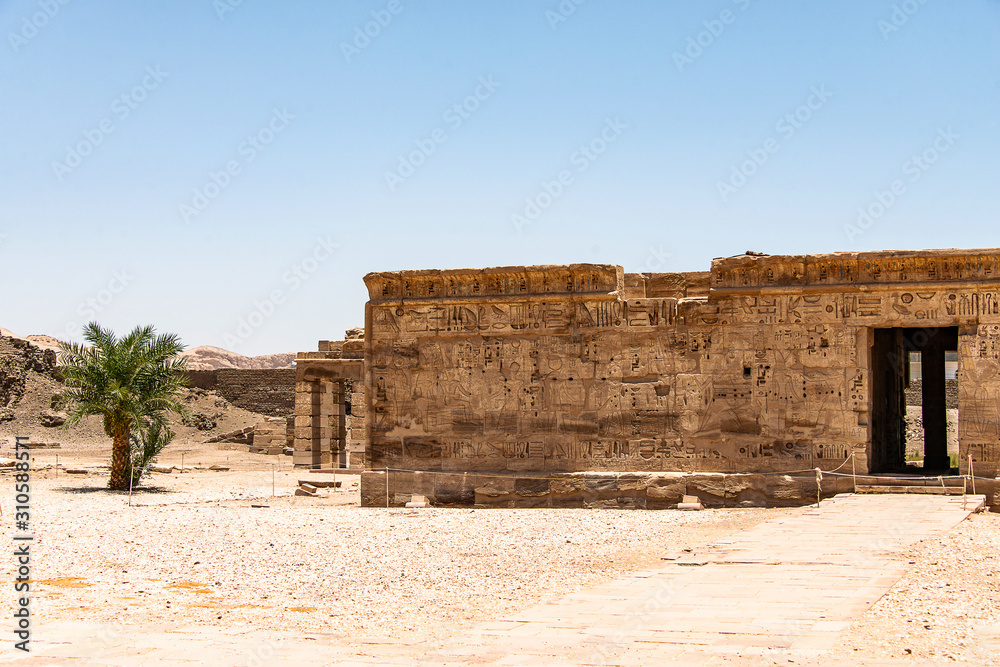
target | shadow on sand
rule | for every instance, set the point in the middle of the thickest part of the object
(139, 490)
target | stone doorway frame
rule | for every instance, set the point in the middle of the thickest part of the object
(320, 432)
(890, 375)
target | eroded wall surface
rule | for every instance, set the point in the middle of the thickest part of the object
(268, 391)
(762, 364)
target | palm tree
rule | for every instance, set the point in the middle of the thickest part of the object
(132, 383)
(146, 446)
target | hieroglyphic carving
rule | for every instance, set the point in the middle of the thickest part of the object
(552, 368)
(861, 268)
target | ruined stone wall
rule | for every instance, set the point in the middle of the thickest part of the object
(914, 393)
(18, 357)
(761, 365)
(330, 409)
(268, 391)
(207, 379)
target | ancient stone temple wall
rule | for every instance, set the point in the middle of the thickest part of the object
(762, 364)
(979, 391)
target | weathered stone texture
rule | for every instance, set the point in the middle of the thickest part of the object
(653, 490)
(763, 364)
(270, 436)
(329, 423)
(17, 358)
(268, 391)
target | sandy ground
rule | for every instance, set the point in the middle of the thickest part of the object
(193, 549)
(945, 608)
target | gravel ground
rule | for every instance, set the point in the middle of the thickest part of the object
(194, 551)
(946, 607)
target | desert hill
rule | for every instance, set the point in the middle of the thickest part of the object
(203, 358)
(207, 357)
(29, 383)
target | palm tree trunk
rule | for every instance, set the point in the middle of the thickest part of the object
(119, 459)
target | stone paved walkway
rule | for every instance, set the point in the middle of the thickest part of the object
(784, 589)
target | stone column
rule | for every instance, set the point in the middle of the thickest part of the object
(318, 427)
(326, 425)
(935, 415)
(338, 441)
(306, 404)
(356, 444)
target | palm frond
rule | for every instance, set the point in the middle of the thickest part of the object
(131, 382)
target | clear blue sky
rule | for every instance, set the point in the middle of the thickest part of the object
(115, 114)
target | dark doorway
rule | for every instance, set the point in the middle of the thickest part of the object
(891, 349)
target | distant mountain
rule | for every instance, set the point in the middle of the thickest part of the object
(206, 358)
(44, 342)
(202, 358)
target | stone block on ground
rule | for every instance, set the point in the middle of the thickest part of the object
(690, 503)
(418, 502)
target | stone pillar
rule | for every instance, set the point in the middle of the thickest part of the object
(304, 396)
(306, 400)
(319, 415)
(326, 425)
(338, 426)
(935, 415)
(356, 442)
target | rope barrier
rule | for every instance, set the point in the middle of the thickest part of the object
(849, 459)
(234, 470)
(915, 476)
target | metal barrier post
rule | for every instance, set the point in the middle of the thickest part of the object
(854, 473)
(972, 475)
